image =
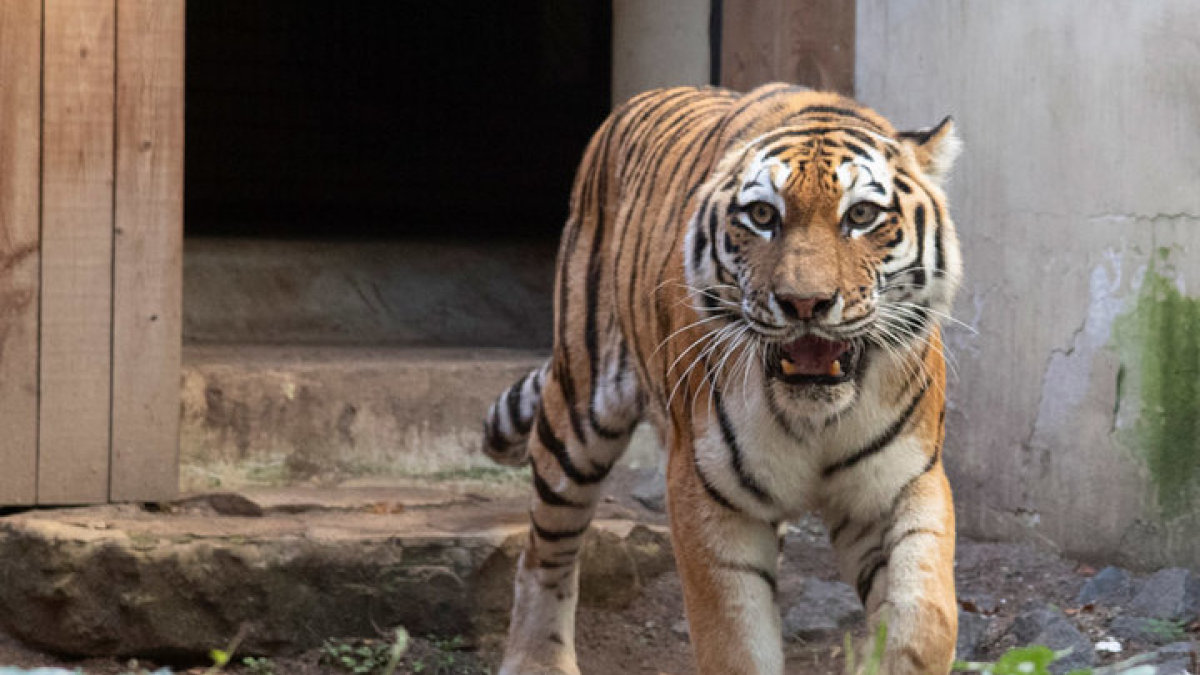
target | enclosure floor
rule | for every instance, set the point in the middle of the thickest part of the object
(647, 635)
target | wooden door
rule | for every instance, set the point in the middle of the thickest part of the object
(91, 176)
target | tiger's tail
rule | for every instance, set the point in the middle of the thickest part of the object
(506, 427)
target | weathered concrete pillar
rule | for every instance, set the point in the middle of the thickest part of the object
(657, 44)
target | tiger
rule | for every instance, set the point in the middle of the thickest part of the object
(763, 277)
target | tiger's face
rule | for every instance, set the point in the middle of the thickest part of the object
(830, 246)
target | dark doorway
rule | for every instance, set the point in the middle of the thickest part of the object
(390, 119)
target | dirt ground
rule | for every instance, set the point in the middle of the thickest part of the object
(649, 638)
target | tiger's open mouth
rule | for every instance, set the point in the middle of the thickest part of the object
(813, 360)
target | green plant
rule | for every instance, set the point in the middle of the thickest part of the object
(874, 659)
(1036, 660)
(1167, 630)
(259, 665)
(366, 656)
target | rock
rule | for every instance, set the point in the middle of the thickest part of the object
(1171, 594)
(972, 629)
(1174, 667)
(978, 603)
(651, 489)
(1146, 631)
(1044, 625)
(178, 585)
(1178, 649)
(824, 608)
(1176, 658)
(680, 628)
(1111, 587)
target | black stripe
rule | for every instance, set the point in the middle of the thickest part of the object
(939, 253)
(559, 450)
(902, 186)
(514, 407)
(907, 487)
(748, 482)
(865, 138)
(699, 243)
(712, 490)
(873, 552)
(863, 530)
(555, 638)
(838, 529)
(857, 149)
(555, 535)
(882, 440)
(866, 582)
(748, 568)
(495, 439)
(554, 564)
(566, 384)
(548, 495)
(918, 271)
(909, 533)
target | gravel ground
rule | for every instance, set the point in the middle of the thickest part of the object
(1003, 590)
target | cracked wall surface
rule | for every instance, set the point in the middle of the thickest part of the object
(1074, 383)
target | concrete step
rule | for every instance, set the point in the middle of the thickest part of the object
(300, 415)
(288, 568)
(368, 292)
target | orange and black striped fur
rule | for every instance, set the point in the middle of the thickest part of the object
(762, 277)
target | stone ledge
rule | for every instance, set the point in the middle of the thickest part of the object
(121, 580)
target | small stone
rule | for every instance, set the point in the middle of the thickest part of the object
(979, 603)
(680, 628)
(972, 628)
(824, 608)
(1109, 646)
(651, 625)
(1045, 625)
(1172, 594)
(1112, 586)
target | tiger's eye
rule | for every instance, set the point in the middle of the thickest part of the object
(763, 214)
(862, 214)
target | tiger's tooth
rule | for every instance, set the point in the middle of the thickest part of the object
(788, 367)
(835, 369)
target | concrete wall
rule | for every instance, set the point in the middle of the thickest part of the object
(659, 44)
(1075, 412)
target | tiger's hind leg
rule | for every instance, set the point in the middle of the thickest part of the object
(571, 450)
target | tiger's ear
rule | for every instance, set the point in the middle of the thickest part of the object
(935, 148)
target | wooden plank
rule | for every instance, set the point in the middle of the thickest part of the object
(809, 42)
(148, 249)
(77, 171)
(20, 145)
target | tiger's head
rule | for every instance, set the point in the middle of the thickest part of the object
(823, 235)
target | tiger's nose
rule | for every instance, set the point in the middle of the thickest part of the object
(798, 308)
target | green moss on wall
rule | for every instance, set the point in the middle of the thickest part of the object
(1159, 342)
